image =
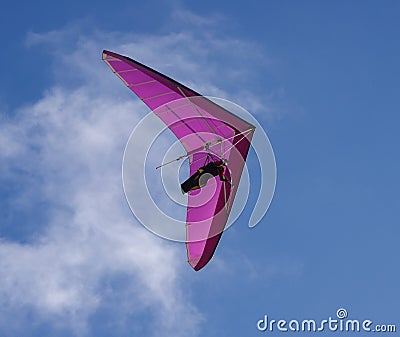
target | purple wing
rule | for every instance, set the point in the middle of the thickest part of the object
(202, 127)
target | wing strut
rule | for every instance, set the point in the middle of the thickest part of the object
(207, 147)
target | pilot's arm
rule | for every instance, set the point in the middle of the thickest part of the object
(222, 175)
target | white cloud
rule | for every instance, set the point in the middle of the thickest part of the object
(186, 17)
(72, 142)
(66, 151)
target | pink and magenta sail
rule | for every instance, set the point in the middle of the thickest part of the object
(204, 128)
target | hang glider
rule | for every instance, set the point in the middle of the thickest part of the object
(204, 128)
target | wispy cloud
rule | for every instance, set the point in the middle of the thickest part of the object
(185, 17)
(72, 143)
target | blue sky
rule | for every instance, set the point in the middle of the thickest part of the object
(323, 80)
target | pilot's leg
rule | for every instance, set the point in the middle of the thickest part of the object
(191, 183)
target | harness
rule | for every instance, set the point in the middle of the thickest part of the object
(210, 158)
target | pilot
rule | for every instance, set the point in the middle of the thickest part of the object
(200, 178)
